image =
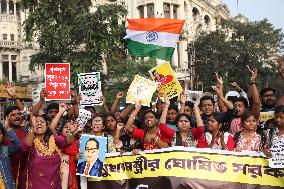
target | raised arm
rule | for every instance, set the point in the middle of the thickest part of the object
(103, 99)
(29, 138)
(280, 67)
(116, 102)
(182, 102)
(54, 122)
(74, 111)
(130, 121)
(11, 90)
(163, 118)
(220, 86)
(197, 114)
(220, 95)
(126, 111)
(39, 104)
(254, 92)
(119, 128)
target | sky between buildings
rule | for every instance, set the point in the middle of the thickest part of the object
(256, 10)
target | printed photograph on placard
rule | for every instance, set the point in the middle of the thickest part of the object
(167, 82)
(93, 150)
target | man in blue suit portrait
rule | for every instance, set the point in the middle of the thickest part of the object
(92, 166)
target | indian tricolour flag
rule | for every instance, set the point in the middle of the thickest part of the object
(153, 37)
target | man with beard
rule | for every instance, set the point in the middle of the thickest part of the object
(268, 99)
(15, 132)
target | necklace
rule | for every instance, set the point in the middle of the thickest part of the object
(47, 151)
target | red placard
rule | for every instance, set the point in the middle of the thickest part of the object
(57, 81)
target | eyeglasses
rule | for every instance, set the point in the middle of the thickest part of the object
(91, 149)
(98, 121)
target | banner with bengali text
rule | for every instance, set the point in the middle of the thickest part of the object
(181, 167)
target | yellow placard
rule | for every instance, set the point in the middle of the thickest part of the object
(264, 116)
(22, 92)
(167, 82)
(141, 91)
(199, 164)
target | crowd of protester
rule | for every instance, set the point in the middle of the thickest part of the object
(35, 148)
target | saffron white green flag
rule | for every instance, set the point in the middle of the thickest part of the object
(153, 37)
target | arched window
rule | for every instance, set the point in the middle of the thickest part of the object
(207, 19)
(195, 13)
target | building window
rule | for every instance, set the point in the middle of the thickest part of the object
(150, 10)
(14, 71)
(141, 11)
(207, 19)
(12, 37)
(195, 13)
(18, 9)
(167, 10)
(4, 36)
(5, 66)
(11, 7)
(14, 57)
(175, 8)
(3, 7)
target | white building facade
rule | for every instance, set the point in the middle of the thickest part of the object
(199, 15)
(14, 52)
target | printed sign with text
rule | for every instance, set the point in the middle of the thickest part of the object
(90, 88)
(57, 81)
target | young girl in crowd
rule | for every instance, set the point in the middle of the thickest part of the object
(68, 158)
(98, 126)
(248, 139)
(186, 135)
(128, 143)
(215, 138)
(6, 178)
(155, 135)
(43, 169)
(274, 135)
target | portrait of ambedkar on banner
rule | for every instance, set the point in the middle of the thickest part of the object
(92, 166)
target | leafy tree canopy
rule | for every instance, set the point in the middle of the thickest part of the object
(236, 44)
(67, 31)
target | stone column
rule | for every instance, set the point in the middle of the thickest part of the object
(15, 8)
(8, 7)
(145, 11)
(171, 11)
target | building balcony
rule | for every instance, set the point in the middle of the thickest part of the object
(10, 44)
(9, 18)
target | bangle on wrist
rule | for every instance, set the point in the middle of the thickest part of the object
(131, 115)
(157, 138)
(252, 82)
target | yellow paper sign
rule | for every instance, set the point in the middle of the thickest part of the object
(264, 116)
(164, 76)
(141, 91)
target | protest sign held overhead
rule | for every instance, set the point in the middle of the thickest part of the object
(153, 37)
(164, 76)
(93, 149)
(141, 91)
(90, 88)
(57, 81)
